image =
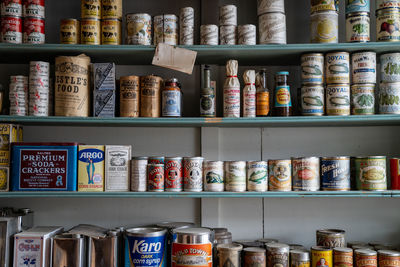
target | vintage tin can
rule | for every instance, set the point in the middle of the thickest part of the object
(166, 29)
(280, 175)
(193, 174)
(90, 31)
(213, 173)
(338, 99)
(272, 28)
(254, 256)
(324, 27)
(365, 258)
(111, 32)
(299, 258)
(227, 35)
(357, 6)
(322, 5)
(228, 15)
(357, 27)
(11, 29)
(331, 238)
(70, 31)
(91, 9)
(363, 99)
(173, 174)
(145, 246)
(247, 34)
(150, 96)
(171, 99)
(156, 160)
(312, 100)
(129, 96)
(209, 34)
(337, 67)
(321, 256)
(380, 4)
(235, 176)
(229, 254)
(371, 173)
(33, 30)
(306, 174)
(388, 258)
(342, 257)
(257, 176)
(389, 98)
(277, 254)
(138, 29)
(312, 69)
(111, 9)
(387, 25)
(335, 173)
(138, 175)
(91, 168)
(363, 67)
(362, 247)
(4, 178)
(270, 6)
(186, 26)
(117, 168)
(390, 67)
(395, 173)
(11, 8)
(34, 8)
(155, 177)
(186, 35)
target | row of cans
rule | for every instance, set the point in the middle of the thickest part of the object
(39, 88)
(101, 9)
(228, 34)
(23, 8)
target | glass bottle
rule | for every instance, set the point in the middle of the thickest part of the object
(263, 95)
(207, 95)
(282, 99)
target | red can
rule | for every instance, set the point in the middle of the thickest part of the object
(395, 173)
(11, 30)
(33, 8)
(34, 30)
(11, 8)
(155, 177)
(173, 174)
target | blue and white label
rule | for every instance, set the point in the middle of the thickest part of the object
(171, 103)
(91, 155)
(357, 6)
(145, 251)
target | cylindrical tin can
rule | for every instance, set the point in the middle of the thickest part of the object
(342, 257)
(337, 67)
(70, 31)
(306, 174)
(33, 8)
(173, 174)
(193, 174)
(213, 173)
(11, 8)
(156, 160)
(91, 9)
(395, 173)
(390, 66)
(254, 256)
(362, 247)
(155, 179)
(299, 257)
(312, 100)
(235, 176)
(229, 254)
(33, 31)
(365, 258)
(129, 96)
(350, 244)
(247, 34)
(312, 68)
(171, 99)
(186, 26)
(388, 258)
(363, 99)
(277, 254)
(357, 27)
(389, 98)
(11, 30)
(331, 238)
(324, 27)
(111, 9)
(139, 174)
(166, 29)
(186, 36)
(322, 5)
(267, 240)
(228, 15)
(387, 25)
(363, 67)
(272, 28)
(90, 31)
(335, 173)
(138, 29)
(270, 6)
(371, 173)
(257, 176)
(338, 99)
(39, 69)
(357, 6)
(111, 32)
(209, 34)
(321, 256)
(150, 96)
(227, 35)
(280, 175)
(380, 4)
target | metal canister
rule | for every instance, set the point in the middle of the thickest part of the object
(138, 174)
(229, 254)
(228, 15)
(171, 99)
(338, 99)
(365, 258)
(254, 256)
(90, 31)
(247, 34)
(395, 173)
(337, 67)
(312, 68)
(387, 3)
(70, 31)
(33, 30)
(166, 29)
(91, 9)
(363, 99)
(193, 174)
(111, 9)
(173, 174)
(335, 173)
(312, 100)
(299, 258)
(209, 34)
(11, 29)
(280, 175)
(306, 174)
(342, 257)
(272, 28)
(235, 176)
(269, 6)
(213, 173)
(157, 160)
(390, 67)
(150, 96)
(371, 173)
(322, 5)
(357, 6)
(186, 26)
(321, 256)
(69, 250)
(155, 177)
(363, 67)
(388, 258)
(324, 27)
(129, 96)
(389, 98)
(357, 27)
(11, 8)
(277, 254)
(387, 25)
(257, 176)
(111, 32)
(33, 8)
(227, 35)
(138, 29)
(331, 238)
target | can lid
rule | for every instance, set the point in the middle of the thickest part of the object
(175, 225)
(282, 73)
(331, 231)
(368, 252)
(342, 249)
(321, 248)
(194, 231)
(356, 243)
(249, 243)
(157, 157)
(254, 250)
(220, 230)
(173, 158)
(362, 247)
(386, 252)
(299, 255)
(277, 246)
(268, 240)
(146, 231)
(140, 158)
(229, 247)
(296, 247)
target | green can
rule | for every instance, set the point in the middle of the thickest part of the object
(371, 173)
(363, 99)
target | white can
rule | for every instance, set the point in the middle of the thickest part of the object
(270, 6)
(186, 26)
(228, 15)
(40, 68)
(337, 67)
(186, 36)
(390, 67)
(166, 29)
(247, 34)
(139, 174)
(138, 29)
(193, 174)
(19, 78)
(338, 99)
(272, 28)
(389, 98)
(312, 100)
(213, 173)
(363, 67)
(227, 35)
(116, 164)
(312, 68)
(209, 34)
(324, 27)
(387, 3)
(257, 176)
(235, 176)
(357, 27)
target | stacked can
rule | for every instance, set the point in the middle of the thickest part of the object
(39, 88)
(18, 95)
(33, 12)
(90, 22)
(138, 29)
(227, 25)
(11, 22)
(357, 21)
(166, 29)
(186, 26)
(389, 89)
(324, 26)
(387, 21)
(271, 21)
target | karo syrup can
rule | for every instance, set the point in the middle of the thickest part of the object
(173, 174)
(91, 168)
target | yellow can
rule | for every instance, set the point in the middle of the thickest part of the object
(321, 257)
(8, 135)
(90, 31)
(111, 9)
(4, 179)
(91, 168)
(111, 32)
(70, 31)
(91, 9)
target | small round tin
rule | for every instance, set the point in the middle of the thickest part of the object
(111, 9)
(254, 256)
(227, 35)
(213, 173)
(11, 30)
(138, 175)
(247, 34)
(338, 99)
(272, 28)
(173, 174)
(91, 9)
(277, 254)
(371, 173)
(193, 174)
(299, 258)
(390, 67)
(209, 34)
(11, 8)
(155, 179)
(388, 258)
(342, 257)
(363, 67)
(353, 6)
(363, 99)
(138, 29)
(388, 25)
(312, 98)
(380, 4)
(280, 175)
(312, 69)
(235, 176)
(70, 31)
(111, 32)
(90, 31)
(324, 27)
(306, 175)
(270, 6)
(321, 256)
(357, 27)
(337, 67)
(257, 176)
(365, 258)
(389, 98)
(166, 29)
(335, 173)
(228, 15)
(331, 238)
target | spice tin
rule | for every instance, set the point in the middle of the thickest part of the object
(321, 256)
(323, 5)
(342, 257)
(34, 8)
(331, 238)
(117, 168)
(338, 99)
(357, 27)
(389, 98)
(4, 179)
(11, 29)
(173, 174)
(111, 9)
(228, 15)
(156, 160)
(387, 25)
(306, 174)
(312, 68)
(395, 173)
(166, 29)
(129, 96)
(324, 27)
(155, 177)
(213, 173)
(335, 173)
(235, 176)
(111, 32)
(150, 96)
(91, 168)
(193, 174)
(390, 67)
(272, 28)
(280, 175)
(299, 258)
(254, 256)
(70, 31)
(380, 4)
(257, 176)
(209, 34)
(353, 6)
(371, 173)
(90, 31)
(138, 29)
(277, 254)
(138, 175)
(229, 254)
(247, 34)
(11, 8)
(172, 99)
(270, 6)
(363, 67)
(388, 258)
(145, 246)
(91, 9)
(365, 257)
(227, 35)
(312, 100)
(337, 67)
(363, 99)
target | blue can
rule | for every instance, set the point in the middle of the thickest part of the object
(335, 173)
(357, 6)
(145, 247)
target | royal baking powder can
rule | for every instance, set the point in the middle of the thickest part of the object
(213, 173)
(228, 15)
(156, 160)
(173, 174)
(357, 27)
(342, 257)
(209, 34)
(312, 69)
(321, 256)
(11, 8)
(246, 34)
(337, 67)
(193, 174)
(138, 29)
(235, 176)
(11, 29)
(155, 177)
(338, 99)
(324, 27)
(363, 99)
(33, 30)
(335, 173)
(138, 174)
(306, 174)
(280, 175)
(70, 31)
(331, 238)
(272, 28)
(312, 100)
(257, 176)
(363, 67)
(395, 173)
(389, 98)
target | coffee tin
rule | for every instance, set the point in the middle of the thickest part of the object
(91, 9)
(213, 173)
(324, 5)
(155, 177)
(270, 6)
(272, 28)
(111, 9)
(312, 100)
(390, 67)
(387, 25)
(353, 6)
(11, 8)
(11, 29)
(335, 173)
(70, 31)
(338, 99)
(337, 67)
(227, 35)
(150, 96)
(209, 34)
(324, 27)
(257, 176)
(277, 254)
(395, 173)
(254, 256)
(363, 67)
(365, 258)
(306, 175)
(138, 175)
(129, 96)
(357, 27)
(342, 257)
(90, 31)
(111, 32)
(33, 30)
(321, 256)
(331, 238)
(388, 258)
(235, 176)
(299, 257)
(247, 34)
(312, 69)
(166, 29)
(193, 174)
(363, 99)
(380, 4)
(138, 29)
(371, 173)
(228, 15)
(389, 98)
(280, 175)
(173, 174)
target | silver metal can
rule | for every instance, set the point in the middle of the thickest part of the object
(363, 67)
(335, 173)
(312, 100)
(186, 26)
(209, 34)
(166, 29)
(312, 68)
(193, 174)
(390, 67)
(247, 34)
(272, 28)
(357, 27)
(139, 174)
(389, 98)
(306, 175)
(277, 254)
(388, 258)
(324, 27)
(338, 99)
(138, 29)
(213, 173)
(337, 67)
(269, 6)
(331, 238)
(387, 25)
(235, 176)
(299, 258)
(363, 99)
(228, 15)
(227, 35)
(257, 176)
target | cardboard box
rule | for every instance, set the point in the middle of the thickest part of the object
(91, 168)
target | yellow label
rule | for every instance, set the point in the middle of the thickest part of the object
(8, 135)
(4, 158)
(4, 179)
(91, 168)
(321, 258)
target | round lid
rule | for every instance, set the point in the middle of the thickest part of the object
(193, 235)
(331, 231)
(229, 247)
(277, 247)
(282, 73)
(140, 158)
(296, 247)
(268, 240)
(386, 252)
(299, 255)
(175, 225)
(220, 230)
(367, 252)
(249, 243)
(362, 247)
(223, 235)
(146, 231)
(343, 249)
(254, 250)
(321, 248)
(193, 231)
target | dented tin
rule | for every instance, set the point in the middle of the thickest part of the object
(70, 31)
(138, 29)
(173, 174)
(363, 67)
(338, 99)
(306, 175)
(363, 99)
(257, 176)
(337, 67)
(358, 27)
(335, 173)
(312, 68)
(324, 27)
(280, 175)
(193, 174)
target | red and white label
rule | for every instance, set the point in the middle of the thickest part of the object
(191, 255)
(34, 31)
(28, 251)
(33, 8)
(11, 30)
(11, 8)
